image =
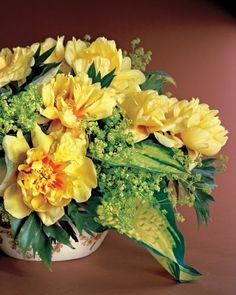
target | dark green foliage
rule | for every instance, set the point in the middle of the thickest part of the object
(156, 80)
(96, 77)
(83, 215)
(40, 68)
(204, 186)
(57, 233)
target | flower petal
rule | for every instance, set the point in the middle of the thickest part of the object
(15, 147)
(41, 140)
(167, 140)
(52, 215)
(13, 202)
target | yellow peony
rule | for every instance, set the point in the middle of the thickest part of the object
(58, 53)
(72, 99)
(147, 111)
(204, 132)
(106, 58)
(48, 176)
(175, 123)
(16, 65)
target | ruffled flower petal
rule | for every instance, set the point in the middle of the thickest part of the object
(15, 147)
(52, 215)
(13, 202)
(41, 140)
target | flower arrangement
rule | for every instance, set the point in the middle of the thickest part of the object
(90, 140)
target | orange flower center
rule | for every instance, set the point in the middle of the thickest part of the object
(43, 175)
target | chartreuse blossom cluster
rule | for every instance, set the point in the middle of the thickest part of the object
(89, 139)
(19, 112)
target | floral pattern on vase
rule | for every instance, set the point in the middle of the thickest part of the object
(85, 246)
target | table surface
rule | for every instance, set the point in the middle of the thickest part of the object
(194, 41)
(118, 267)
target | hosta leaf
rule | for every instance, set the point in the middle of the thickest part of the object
(151, 223)
(146, 155)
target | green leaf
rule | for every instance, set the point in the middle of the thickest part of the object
(201, 206)
(92, 72)
(16, 225)
(28, 231)
(150, 223)
(58, 233)
(42, 245)
(50, 72)
(84, 215)
(203, 186)
(37, 53)
(65, 222)
(156, 80)
(97, 78)
(41, 58)
(107, 79)
(146, 155)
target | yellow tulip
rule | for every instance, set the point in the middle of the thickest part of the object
(16, 65)
(47, 176)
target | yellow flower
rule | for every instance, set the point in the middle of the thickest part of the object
(72, 99)
(175, 123)
(147, 111)
(106, 58)
(16, 65)
(205, 135)
(48, 176)
(58, 53)
(195, 125)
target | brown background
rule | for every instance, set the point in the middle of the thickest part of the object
(195, 41)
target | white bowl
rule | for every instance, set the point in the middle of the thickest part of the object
(85, 246)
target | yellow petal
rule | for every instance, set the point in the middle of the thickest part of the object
(197, 139)
(41, 140)
(8, 175)
(67, 118)
(139, 133)
(167, 140)
(86, 179)
(81, 193)
(15, 147)
(13, 202)
(52, 215)
(70, 148)
(87, 173)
